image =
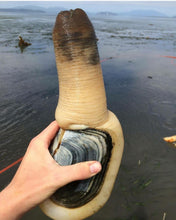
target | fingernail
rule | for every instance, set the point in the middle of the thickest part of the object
(95, 168)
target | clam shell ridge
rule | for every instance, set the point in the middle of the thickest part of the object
(70, 147)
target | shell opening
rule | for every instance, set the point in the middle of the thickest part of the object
(70, 147)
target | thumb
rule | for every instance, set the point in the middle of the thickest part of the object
(79, 171)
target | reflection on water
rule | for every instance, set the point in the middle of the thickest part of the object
(140, 87)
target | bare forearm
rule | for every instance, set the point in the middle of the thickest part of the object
(11, 205)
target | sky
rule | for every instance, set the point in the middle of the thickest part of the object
(166, 7)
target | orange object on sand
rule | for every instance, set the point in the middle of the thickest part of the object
(170, 139)
(170, 57)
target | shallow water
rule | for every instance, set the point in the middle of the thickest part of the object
(140, 87)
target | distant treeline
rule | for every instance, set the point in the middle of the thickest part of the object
(20, 10)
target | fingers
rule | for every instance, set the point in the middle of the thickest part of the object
(49, 132)
(78, 171)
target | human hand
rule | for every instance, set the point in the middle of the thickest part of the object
(39, 176)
